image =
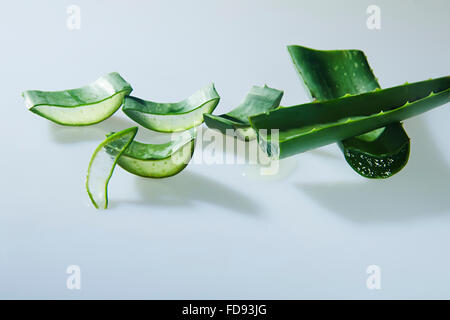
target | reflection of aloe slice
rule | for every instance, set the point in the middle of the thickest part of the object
(102, 165)
(158, 160)
(312, 125)
(335, 73)
(258, 100)
(83, 106)
(172, 117)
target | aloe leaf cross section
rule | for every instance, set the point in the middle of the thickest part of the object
(172, 117)
(84, 106)
(158, 160)
(102, 164)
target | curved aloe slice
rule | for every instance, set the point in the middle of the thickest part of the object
(335, 73)
(102, 165)
(258, 100)
(312, 125)
(83, 106)
(172, 117)
(157, 160)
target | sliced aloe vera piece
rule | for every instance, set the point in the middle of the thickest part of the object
(312, 125)
(258, 100)
(334, 73)
(158, 160)
(172, 117)
(102, 165)
(83, 106)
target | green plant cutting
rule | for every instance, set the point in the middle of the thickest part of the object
(258, 100)
(102, 164)
(312, 125)
(331, 74)
(83, 106)
(348, 108)
(157, 160)
(172, 117)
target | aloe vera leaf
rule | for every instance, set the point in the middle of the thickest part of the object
(334, 73)
(158, 160)
(102, 165)
(312, 125)
(258, 100)
(83, 106)
(172, 117)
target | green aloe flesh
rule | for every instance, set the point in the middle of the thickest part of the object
(157, 160)
(312, 125)
(83, 106)
(102, 165)
(258, 100)
(172, 117)
(332, 74)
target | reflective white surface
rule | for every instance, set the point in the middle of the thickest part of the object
(217, 231)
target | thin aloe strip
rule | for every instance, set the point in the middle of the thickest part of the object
(172, 117)
(158, 160)
(102, 165)
(83, 106)
(258, 100)
(312, 125)
(331, 74)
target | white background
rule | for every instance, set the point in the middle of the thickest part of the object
(217, 231)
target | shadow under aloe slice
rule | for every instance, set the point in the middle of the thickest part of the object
(312, 125)
(335, 73)
(83, 106)
(157, 160)
(172, 117)
(258, 100)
